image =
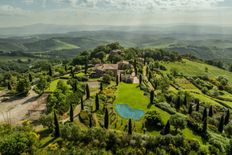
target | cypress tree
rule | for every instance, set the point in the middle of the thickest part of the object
(90, 121)
(71, 113)
(120, 77)
(87, 91)
(190, 109)
(185, 100)
(166, 129)
(117, 80)
(72, 73)
(82, 103)
(197, 106)
(221, 124)
(204, 128)
(86, 66)
(135, 67)
(101, 86)
(211, 111)
(56, 126)
(106, 119)
(140, 79)
(152, 94)
(97, 102)
(30, 77)
(50, 71)
(227, 118)
(149, 76)
(204, 115)
(9, 86)
(129, 127)
(178, 103)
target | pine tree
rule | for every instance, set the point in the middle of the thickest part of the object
(178, 103)
(101, 86)
(190, 109)
(82, 103)
(152, 94)
(221, 124)
(97, 102)
(9, 86)
(227, 118)
(106, 119)
(166, 129)
(56, 126)
(211, 111)
(140, 79)
(87, 91)
(71, 113)
(204, 128)
(129, 127)
(204, 115)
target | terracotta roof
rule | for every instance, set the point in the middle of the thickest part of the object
(106, 66)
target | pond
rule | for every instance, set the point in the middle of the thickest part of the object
(127, 112)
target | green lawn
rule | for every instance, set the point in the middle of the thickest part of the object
(53, 84)
(132, 95)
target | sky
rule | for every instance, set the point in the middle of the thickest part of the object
(15, 13)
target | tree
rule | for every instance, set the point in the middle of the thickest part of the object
(190, 110)
(82, 103)
(229, 148)
(135, 67)
(120, 77)
(117, 80)
(178, 103)
(129, 127)
(211, 111)
(50, 73)
(23, 86)
(71, 113)
(153, 119)
(90, 121)
(227, 118)
(152, 94)
(197, 104)
(185, 100)
(87, 91)
(228, 130)
(47, 121)
(221, 124)
(204, 128)
(106, 119)
(140, 79)
(204, 115)
(56, 126)
(178, 121)
(97, 102)
(86, 65)
(101, 86)
(9, 86)
(72, 73)
(30, 77)
(166, 129)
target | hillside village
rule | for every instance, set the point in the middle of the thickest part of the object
(116, 100)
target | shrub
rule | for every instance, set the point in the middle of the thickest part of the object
(166, 107)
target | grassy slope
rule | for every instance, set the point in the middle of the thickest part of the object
(191, 68)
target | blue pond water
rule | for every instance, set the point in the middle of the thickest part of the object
(126, 112)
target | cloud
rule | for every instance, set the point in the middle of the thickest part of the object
(10, 10)
(142, 4)
(28, 2)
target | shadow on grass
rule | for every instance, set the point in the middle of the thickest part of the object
(48, 142)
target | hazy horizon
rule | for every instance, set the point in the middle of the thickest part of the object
(16, 13)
